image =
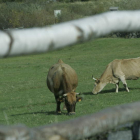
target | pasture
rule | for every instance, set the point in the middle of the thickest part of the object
(25, 98)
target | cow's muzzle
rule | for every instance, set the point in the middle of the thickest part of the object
(94, 93)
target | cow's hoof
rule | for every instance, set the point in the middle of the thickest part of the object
(58, 113)
(64, 108)
(71, 113)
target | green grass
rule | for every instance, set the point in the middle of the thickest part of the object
(25, 98)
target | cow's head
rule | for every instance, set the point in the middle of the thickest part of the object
(70, 101)
(98, 86)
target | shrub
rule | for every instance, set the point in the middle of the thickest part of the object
(37, 13)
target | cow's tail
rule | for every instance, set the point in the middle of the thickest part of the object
(66, 80)
(63, 69)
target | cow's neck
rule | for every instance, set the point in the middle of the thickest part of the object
(106, 77)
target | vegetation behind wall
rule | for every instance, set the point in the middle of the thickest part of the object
(38, 13)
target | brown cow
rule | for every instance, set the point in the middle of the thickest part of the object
(62, 80)
(118, 70)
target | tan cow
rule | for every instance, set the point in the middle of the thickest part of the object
(118, 70)
(62, 80)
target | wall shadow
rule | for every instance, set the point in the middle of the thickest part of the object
(109, 91)
(39, 112)
(86, 93)
(120, 90)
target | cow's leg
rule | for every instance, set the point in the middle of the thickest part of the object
(117, 87)
(125, 85)
(58, 110)
(64, 107)
(122, 78)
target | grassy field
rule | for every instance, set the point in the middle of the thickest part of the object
(25, 98)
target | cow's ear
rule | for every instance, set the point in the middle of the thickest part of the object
(97, 81)
(79, 99)
(61, 99)
(64, 95)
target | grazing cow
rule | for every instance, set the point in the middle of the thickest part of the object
(62, 81)
(118, 70)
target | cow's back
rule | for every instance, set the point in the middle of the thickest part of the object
(129, 67)
(54, 77)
